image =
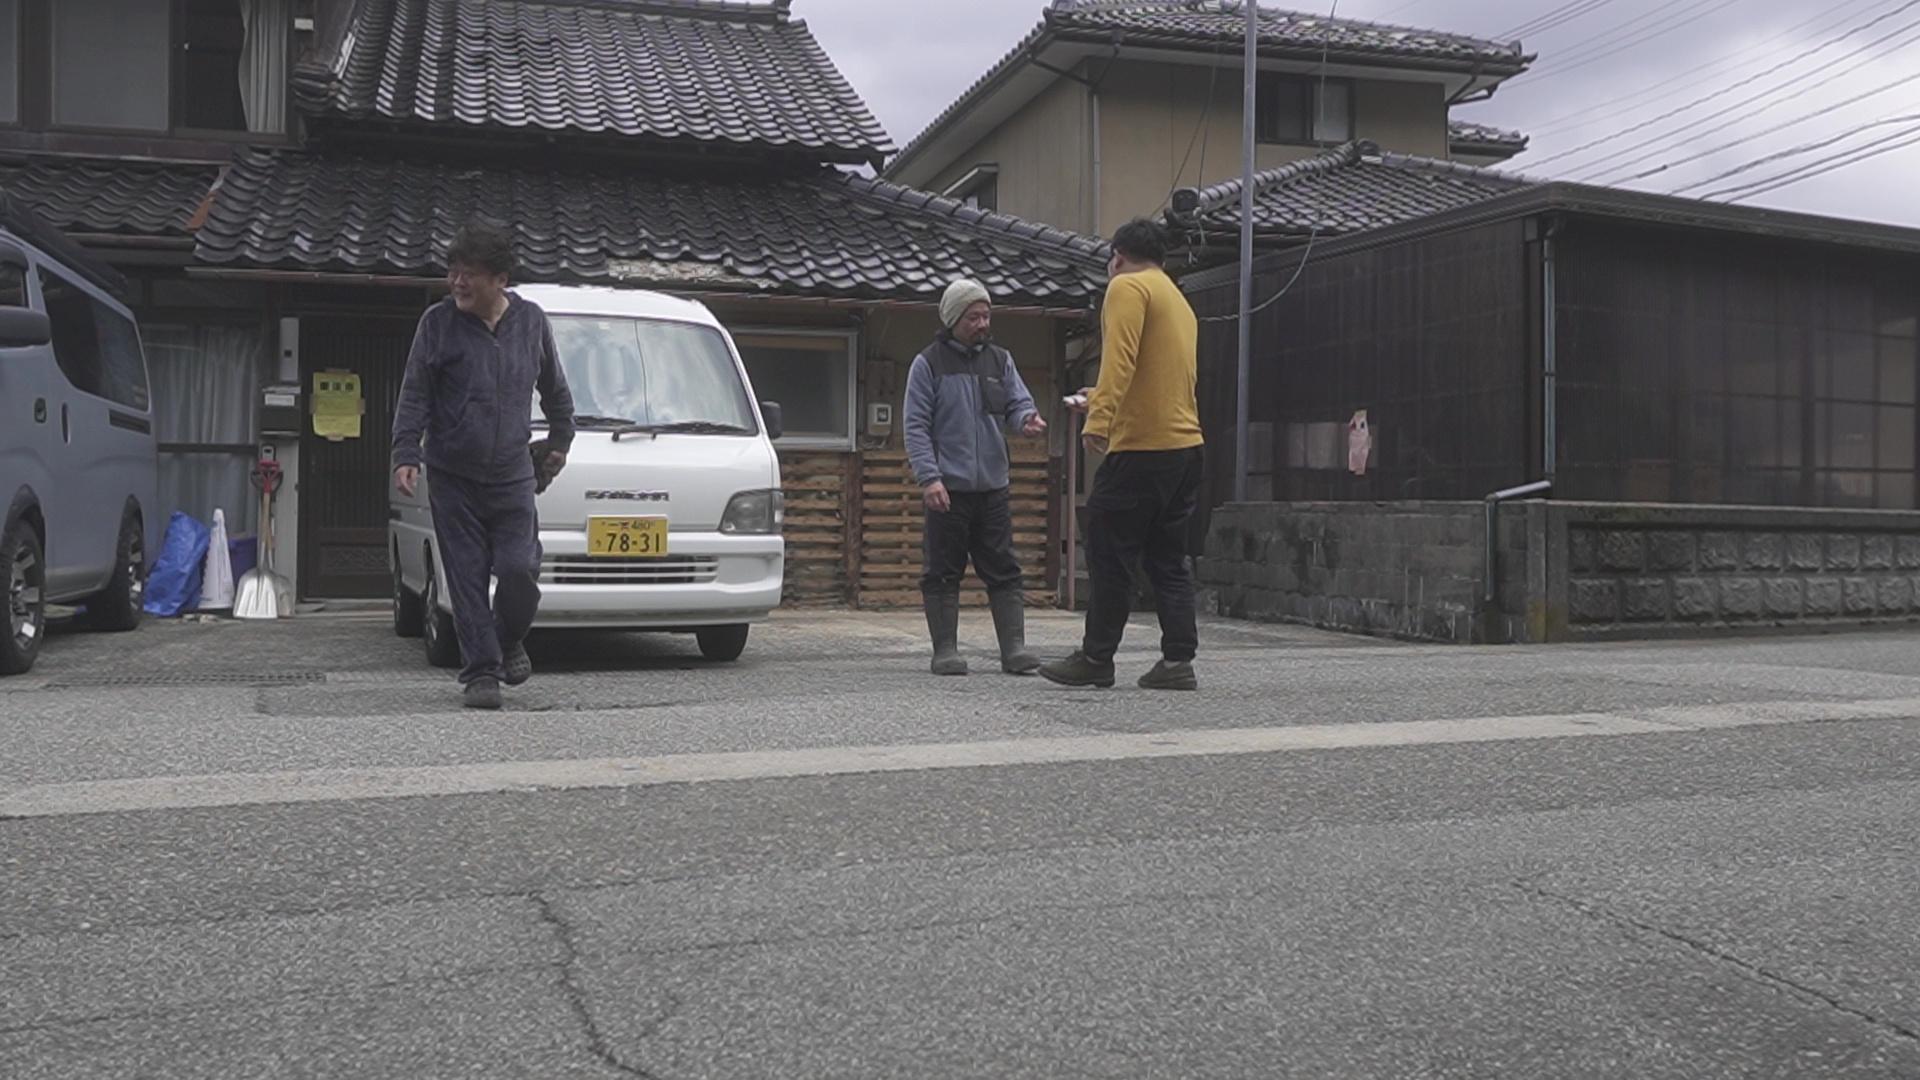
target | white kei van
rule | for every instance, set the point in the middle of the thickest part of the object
(78, 460)
(668, 514)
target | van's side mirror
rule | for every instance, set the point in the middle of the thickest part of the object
(22, 328)
(772, 418)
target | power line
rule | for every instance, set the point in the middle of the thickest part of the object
(1559, 123)
(1722, 92)
(1803, 148)
(1814, 115)
(1559, 16)
(1598, 50)
(1609, 170)
(1888, 145)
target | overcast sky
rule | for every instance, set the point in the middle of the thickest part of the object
(1609, 66)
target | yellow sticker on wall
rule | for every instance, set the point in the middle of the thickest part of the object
(337, 405)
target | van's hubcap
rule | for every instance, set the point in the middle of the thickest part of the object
(432, 605)
(137, 572)
(23, 599)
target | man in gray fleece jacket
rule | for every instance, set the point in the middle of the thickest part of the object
(963, 396)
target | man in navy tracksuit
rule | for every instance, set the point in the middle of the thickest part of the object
(478, 356)
(963, 396)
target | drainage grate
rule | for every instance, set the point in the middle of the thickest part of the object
(203, 678)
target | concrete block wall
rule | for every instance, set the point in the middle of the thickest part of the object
(1650, 571)
(1408, 570)
(1565, 571)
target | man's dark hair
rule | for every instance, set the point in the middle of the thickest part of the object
(1142, 241)
(483, 245)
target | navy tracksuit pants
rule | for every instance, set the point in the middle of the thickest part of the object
(487, 531)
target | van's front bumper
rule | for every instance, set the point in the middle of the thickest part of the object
(705, 579)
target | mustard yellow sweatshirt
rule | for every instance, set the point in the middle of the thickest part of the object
(1148, 365)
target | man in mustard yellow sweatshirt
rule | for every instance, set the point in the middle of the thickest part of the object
(1144, 417)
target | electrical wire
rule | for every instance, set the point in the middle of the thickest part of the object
(1559, 16)
(1888, 145)
(1613, 43)
(1326, 46)
(1560, 123)
(1723, 91)
(1804, 148)
(1795, 122)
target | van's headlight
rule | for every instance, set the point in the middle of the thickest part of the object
(758, 512)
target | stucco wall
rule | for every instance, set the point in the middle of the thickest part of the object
(1042, 152)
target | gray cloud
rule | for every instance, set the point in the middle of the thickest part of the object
(910, 58)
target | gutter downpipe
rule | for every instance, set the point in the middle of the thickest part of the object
(1549, 384)
(1538, 487)
(1248, 104)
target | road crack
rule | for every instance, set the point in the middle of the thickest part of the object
(1746, 967)
(576, 993)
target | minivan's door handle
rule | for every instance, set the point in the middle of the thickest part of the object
(39, 410)
(66, 425)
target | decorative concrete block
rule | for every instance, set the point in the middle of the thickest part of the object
(1843, 552)
(1693, 598)
(1784, 597)
(1896, 595)
(1763, 551)
(1908, 552)
(1876, 553)
(1803, 552)
(1671, 551)
(1740, 598)
(1859, 595)
(1580, 550)
(1719, 551)
(1623, 550)
(1644, 600)
(1823, 596)
(1594, 600)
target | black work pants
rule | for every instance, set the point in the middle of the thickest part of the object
(979, 525)
(487, 531)
(1138, 513)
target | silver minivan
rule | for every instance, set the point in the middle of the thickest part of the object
(78, 460)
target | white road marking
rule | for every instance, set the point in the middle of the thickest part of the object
(335, 785)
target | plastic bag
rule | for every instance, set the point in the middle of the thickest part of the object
(216, 577)
(173, 588)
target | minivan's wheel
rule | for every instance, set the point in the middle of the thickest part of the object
(409, 612)
(119, 606)
(25, 573)
(722, 644)
(443, 646)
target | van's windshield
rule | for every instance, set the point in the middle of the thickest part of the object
(651, 373)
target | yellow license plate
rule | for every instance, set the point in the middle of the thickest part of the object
(627, 537)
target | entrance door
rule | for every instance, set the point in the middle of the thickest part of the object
(343, 484)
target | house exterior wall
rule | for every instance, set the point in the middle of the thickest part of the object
(1044, 158)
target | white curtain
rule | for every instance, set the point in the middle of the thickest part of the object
(263, 62)
(206, 381)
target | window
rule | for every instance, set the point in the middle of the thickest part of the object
(164, 65)
(13, 285)
(1296, 109)
(811, 376)
(96, 347)
(9, 61)
(979, 188)
(986, 196)
(650, 372)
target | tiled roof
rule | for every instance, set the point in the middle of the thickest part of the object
(1208, 22)
(1462, 134)
(705, 71)
(126, 198)
(822, 233)
(1346, 190)
(1205, 24)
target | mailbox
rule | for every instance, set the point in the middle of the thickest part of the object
(280, 410)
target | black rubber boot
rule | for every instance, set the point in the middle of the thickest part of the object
(943, 624)
(1010, 626)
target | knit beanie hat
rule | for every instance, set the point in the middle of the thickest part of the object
(961, 295)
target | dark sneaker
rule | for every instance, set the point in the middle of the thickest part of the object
(482, 693)
(518, 665)
(1170, 675)
(1077, 670)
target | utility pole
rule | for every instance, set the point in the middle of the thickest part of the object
(1249, 102)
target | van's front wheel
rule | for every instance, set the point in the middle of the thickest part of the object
(24, 571)
(722, 644)
(443, 647)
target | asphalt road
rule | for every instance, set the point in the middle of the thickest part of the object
(268, 851)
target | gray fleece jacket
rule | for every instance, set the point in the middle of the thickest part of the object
(961, 402)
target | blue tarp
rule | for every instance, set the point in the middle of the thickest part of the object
(173, 588)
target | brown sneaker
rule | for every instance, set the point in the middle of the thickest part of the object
(1170, 675)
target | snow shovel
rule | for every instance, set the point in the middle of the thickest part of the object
(258, 595)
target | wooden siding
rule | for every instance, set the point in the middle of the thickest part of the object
(817, 527)
(889, 556)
